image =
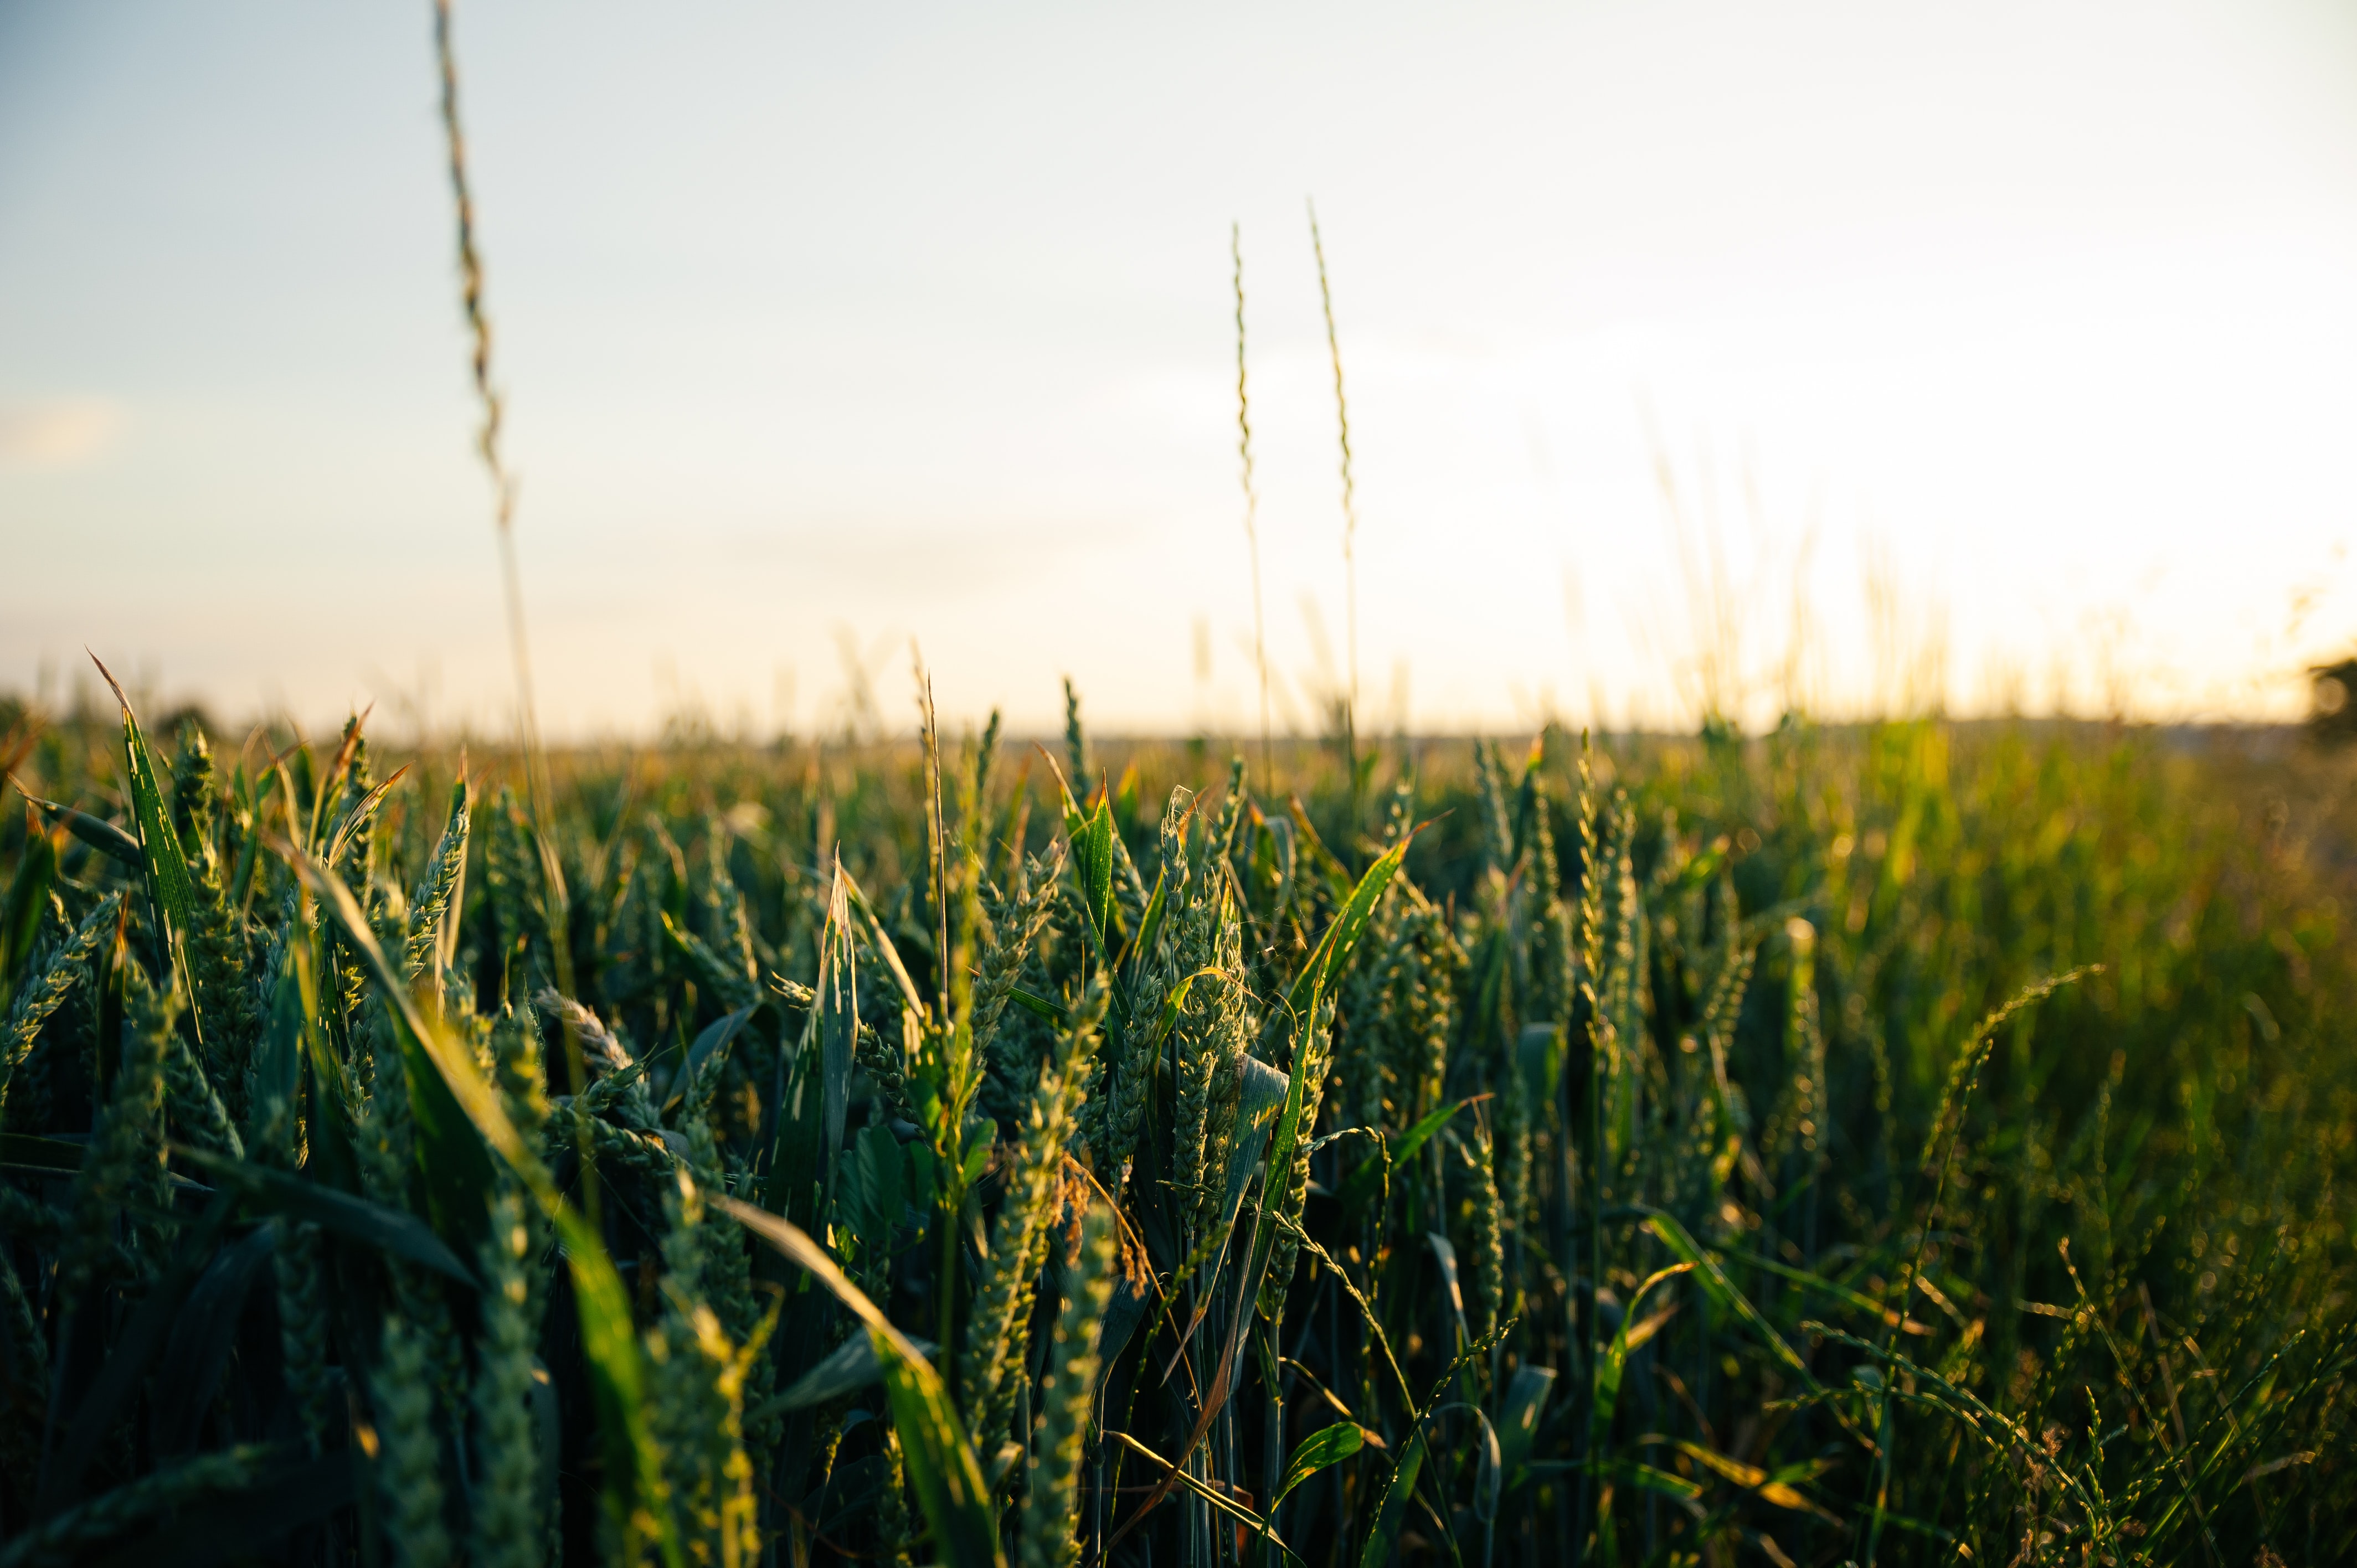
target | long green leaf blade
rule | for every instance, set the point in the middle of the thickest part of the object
(1722, 1290)
(168, 882)
(941, 1458)
(609, 1340)
(838, 1017)
(371, 1224)
(1326, 1445)
(20, 919)
(1333, 951)
(99, 833)
(1610, 1366)
(1393, 1512)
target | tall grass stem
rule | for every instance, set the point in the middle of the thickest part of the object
(487, 438)
(538, 786)
(1251, 507)
(1350, 501)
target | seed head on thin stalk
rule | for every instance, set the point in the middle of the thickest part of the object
(537, 786)
(478, 325)
(1252, 504)
(1349, 508)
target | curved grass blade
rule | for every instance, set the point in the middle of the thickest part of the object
(1886, 1317)
(1518, 1421)
(100, 834)
(198, 1352)
(609, 1340)
(1332, 952)
(31, 1152)
(451, 1156)
(28, 891)
(838, 1015)
(371, 1224)
(356, 818)
(1413, 1141)
(1172, 1005)
(236, 1525)
(852, 1366)
(1713, 1281)
(881, 941)
(941, 1458)
(119, 1378)
(1489, 1474)
(1452, 1287)
(716, 1037)
(168, 882)
(1646, 1477)
(1211, 1495)
(1326, 1445)
(1038, 1006)
(1362, 1181)
(1393, 1511)
(1615, 1360)
(1777, 1487)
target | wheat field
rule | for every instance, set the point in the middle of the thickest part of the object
(1904, 1143)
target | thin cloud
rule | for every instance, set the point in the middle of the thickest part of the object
(57, 433)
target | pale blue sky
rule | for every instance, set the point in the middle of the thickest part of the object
(913, 321)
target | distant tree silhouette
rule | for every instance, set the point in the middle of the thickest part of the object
(2332, 702)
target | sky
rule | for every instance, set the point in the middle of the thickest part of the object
(1696, 353)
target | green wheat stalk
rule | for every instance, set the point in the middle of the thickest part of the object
(505, 1527)
(1019, 1237)
(1051, 1502)
(409, 1473)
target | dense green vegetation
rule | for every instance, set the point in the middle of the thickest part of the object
(1895, 1144)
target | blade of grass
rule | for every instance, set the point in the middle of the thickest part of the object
(1326, 1445)
(394, 1230)
(838, 1015)
(1252, 509)
(940, 1458)
(635, 1498)
(28, 892)
(1616, 1357)
(356, 818)
(1212, 1495)
(173, 890)
(202, 1334)
(100, 834)
(1326, 960)
(715, 1039)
